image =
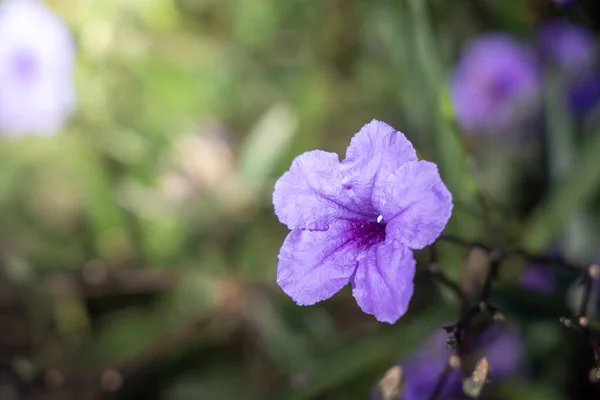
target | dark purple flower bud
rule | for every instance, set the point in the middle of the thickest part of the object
(539, 278)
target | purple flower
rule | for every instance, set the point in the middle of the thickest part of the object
(500, 344)
(503, 346)
(538, 278)
(584, 94)
(36, 69)
(357, 221)
(495, 86)
(571, 47)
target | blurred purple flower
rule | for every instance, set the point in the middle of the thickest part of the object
(584, 94)
(562, 2)
(571, 47)
(501, 344)
(37, 94)
(357, 221)
(495, 85)
(538, 278)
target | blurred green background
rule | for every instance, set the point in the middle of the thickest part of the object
(139, 247)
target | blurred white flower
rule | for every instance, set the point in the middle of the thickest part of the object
(37, 92)
(204, 166)
(175, 187)
(206, 158)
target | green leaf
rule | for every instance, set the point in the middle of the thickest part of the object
(287, 348)
(124, 335)
(368, 353)
(580, 183)
(580, 242)
(530, 391)
(105, 218)
(265, 144)
(447, 147)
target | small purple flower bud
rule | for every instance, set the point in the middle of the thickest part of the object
(538, 278)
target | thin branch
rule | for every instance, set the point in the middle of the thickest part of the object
(587, 290)
(456, 331)
(524, 254)
(95, 281)
(464, 243)
(548, 260)
(439, 276)
(496, 258)
(582, 323)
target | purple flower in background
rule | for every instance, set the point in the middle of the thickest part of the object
(500, 344)
(571, 47)
(584, 94)
(357, 221)
(495, 85)
(538, 278)
(36, 69)
(503, 346)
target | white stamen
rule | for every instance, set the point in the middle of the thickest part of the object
(379, 219)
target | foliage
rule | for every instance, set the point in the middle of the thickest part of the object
(139, 246)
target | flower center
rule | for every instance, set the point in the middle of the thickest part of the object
(368, 233)
(498, 89)
(24, 65)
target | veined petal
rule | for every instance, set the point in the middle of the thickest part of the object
(383, 283)
(374, 152)
(415, 204)
(310, 195)
(314, 265)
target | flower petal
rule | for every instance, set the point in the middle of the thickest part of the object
(374, 152)
(415, 204)
(502, 345)
(310, 195)
(314, 265)
(383, 284)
